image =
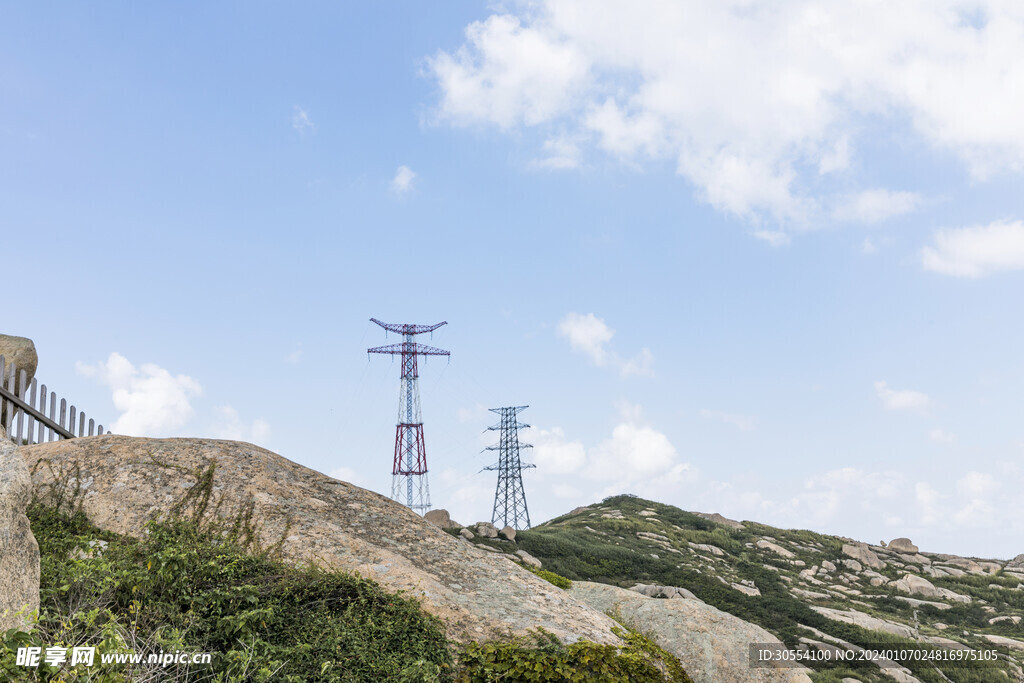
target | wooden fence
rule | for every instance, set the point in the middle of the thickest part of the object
(29, 414)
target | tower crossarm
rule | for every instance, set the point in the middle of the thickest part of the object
(522, 466)
(498, 428)
(404, 328)
(409, 348)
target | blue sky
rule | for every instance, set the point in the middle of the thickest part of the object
(758, 259)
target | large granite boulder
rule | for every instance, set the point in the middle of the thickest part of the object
(867, 621)
(22, 353)
(918, 585)
(863, 554)
(713, 646)
(19, 552)
(124, 481)
(441, 518)
(902, 545)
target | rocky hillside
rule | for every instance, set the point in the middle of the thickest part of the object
(701, 586)
(809, 589)
(307, 517)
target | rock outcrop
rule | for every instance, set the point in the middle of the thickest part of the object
(867, 621)
(486, 529)
(441, 518)
(21, 352)
(902, 545)
(713, 646)
(720, 519)
(775, 548)
(668, 592)
(122, 482)
(918, 585)
(527, 558)
(19, 552)
(863, 554)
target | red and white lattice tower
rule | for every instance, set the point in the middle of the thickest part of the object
(409, 469)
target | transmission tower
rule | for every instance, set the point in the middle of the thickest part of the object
(509, 497)
(409, 469)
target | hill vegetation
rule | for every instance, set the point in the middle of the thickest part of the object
(797, 584)
(183, 588)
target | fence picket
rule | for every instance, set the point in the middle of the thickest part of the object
(22, 381)
(3, 403)
(81, 423)
(31, 421)
(72, 414)
(42, 411)
(9, 413)
(52, 415)
(92, 424)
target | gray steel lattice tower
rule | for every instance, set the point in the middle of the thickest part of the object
(509, 497)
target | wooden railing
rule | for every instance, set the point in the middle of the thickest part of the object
(30, 415)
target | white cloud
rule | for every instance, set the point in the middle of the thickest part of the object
(152, 401)
(940, 436)
(903, 399)
(590, 335)
(403, 180)
(976, 251)
(587, 334)
(634, 452)
(837, 158)
(966, 512)
(229, 425)
(776, 238)
(508, 74)
(640, 365)
(752, 102)
(875, 206)
(868, 246)
(978, 494)
(743, 423)
(977, 484)
(554, 454)
(301, 121)
(559, 154)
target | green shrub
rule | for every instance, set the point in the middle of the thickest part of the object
(181, 589)
(550, 577)
(542, 658)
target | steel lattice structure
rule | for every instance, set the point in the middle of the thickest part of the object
(409, 468)
(509, 497)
